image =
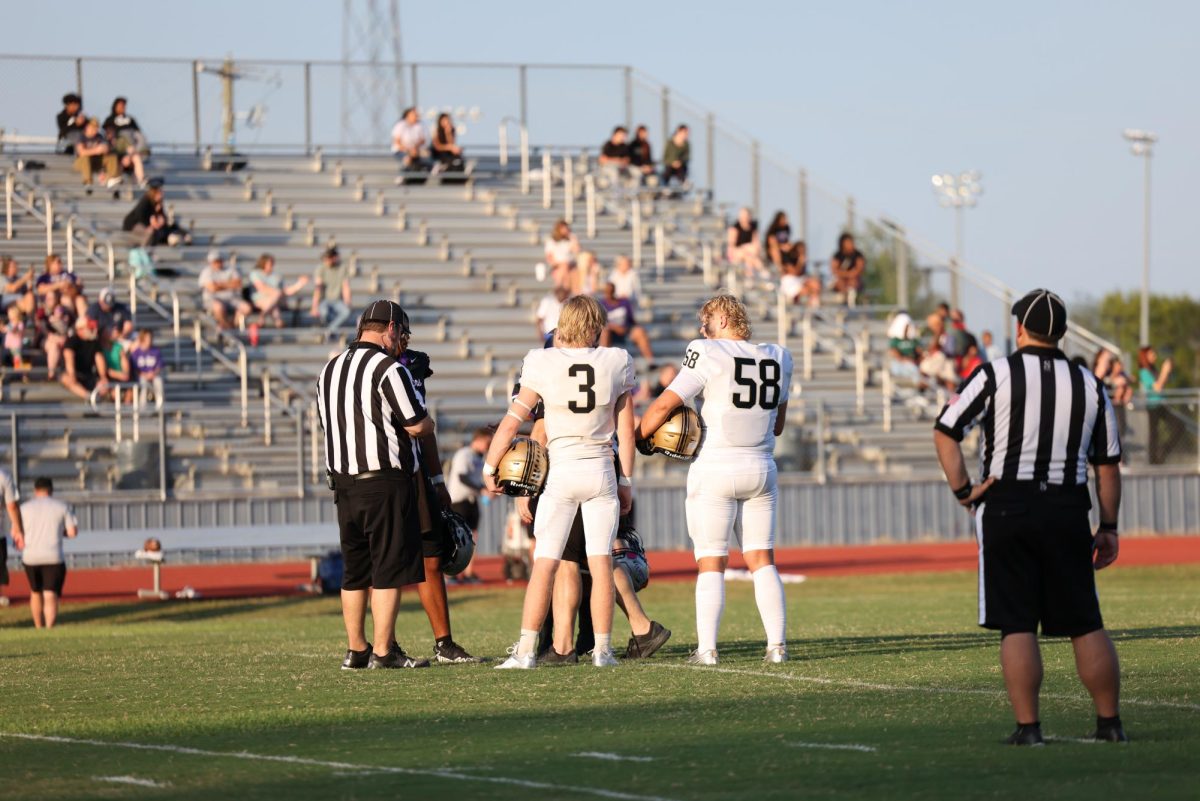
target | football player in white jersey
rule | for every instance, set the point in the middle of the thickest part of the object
(731, 485)
(585, 391)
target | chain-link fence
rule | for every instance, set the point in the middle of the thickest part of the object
(1161, 432)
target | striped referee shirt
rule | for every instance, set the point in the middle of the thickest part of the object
(1043, 419)
(365, 399)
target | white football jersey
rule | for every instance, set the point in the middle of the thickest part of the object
(579, 388)
(743, 385)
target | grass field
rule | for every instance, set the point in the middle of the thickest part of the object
(892, 693)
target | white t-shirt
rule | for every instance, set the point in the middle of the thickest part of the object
(560, 250)
(409, 136)
(627, 284)
(548, 311)
(211, 275)
(579, 388)
(743, 385)
(46, 520)
(466, 462)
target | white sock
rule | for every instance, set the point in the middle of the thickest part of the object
(768, 593)
(603, 642)
(710, 603)
(527, 642)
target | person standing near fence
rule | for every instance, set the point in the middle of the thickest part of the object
(371, 415)
(1043, 420)
(46, 521)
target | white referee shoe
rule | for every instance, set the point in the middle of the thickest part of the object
(515, 662)
(703, 657)
(776, 654)
(604, 658)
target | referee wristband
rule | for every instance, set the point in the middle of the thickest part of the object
(488, 470)
(964, 492)
(437, 481)
(624, 481)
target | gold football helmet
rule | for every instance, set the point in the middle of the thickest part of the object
(523, 468)
(679, 436)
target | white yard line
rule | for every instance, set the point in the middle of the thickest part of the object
(1084, 740)
(902, 688)
(130, 780)
(866, 749)
(453, 775)
(613, 757)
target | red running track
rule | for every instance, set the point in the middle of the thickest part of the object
(282, 578)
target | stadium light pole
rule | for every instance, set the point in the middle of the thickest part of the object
(1142, 144)
(958, 192)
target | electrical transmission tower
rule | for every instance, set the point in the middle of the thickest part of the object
(373, 86)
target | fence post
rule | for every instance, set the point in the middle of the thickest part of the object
(636, 233)
(524, 160)
(629, 99)
(298, 413)
(175, 326)
(162, 453)
(821, 475)
(9, 188)
(901, 250)
(860, 374)
(660, 252)
(79, 77)
(71, 243)
(710, 147)
(117, 423)
(315, 442)
(589, 188)
(244, 370)
(547, 180)
(568, 189)
(706, 264)
(850, 213)
(413, 74)
(197, 338)
(133, 304)
(803, 218)
(523, 78)
(666, 112)
(49, 225)
(196, 103)
(886, 380)
(781, 318)
(14, 449)
(307, 108)
(755, 177)
(266, 391)
(807, 328)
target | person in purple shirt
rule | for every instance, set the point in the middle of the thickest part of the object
(148, 364)
(622, 325)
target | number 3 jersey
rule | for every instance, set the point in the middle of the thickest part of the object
(579, 388)
(743, 385)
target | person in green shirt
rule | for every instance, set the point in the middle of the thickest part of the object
(1153, 379)
(676, 156)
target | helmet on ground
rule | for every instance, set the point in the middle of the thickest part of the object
(458, 545)
(523, 468)
(628, 552)
(679, 436)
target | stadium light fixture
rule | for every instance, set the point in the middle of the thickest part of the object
(957, 192)
(1142, 145)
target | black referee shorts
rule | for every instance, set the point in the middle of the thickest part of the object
(380, 532)
(1035, 566)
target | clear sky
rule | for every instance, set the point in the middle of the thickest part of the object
(871, 97)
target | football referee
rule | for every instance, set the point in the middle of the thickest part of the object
(371, 416)
(1042, 421)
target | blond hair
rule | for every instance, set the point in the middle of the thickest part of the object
(580, 322)
(732, 310)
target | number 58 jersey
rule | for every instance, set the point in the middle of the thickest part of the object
(579, 388)
(743, 385)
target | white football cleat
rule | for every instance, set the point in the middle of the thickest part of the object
(604, 658)
(515, 662)
(703, 657)
(776, 654)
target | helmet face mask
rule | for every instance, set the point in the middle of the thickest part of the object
(523, 468)
(629, 553)
(680, 435)
(459, 545)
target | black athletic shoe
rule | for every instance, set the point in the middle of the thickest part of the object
(1030, 734)
(357, 660)
(645, 645)
(1113, 733)
(451, 653)
(396, 658)
(552, 658)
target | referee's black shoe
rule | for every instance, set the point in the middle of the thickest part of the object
(396, 658)
(1110, 731)
(448, 652)
(1026, 734)
(645, 645)
(357, 660)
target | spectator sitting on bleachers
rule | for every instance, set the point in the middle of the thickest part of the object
(332, 299)
(126, 140)
(14, 337)
(791, 258)
(622, 325)
(614, 156)
(561, 252)
(990, 351)
(109, 313)
(957, 327)
(148, 222)
(148, 364)
(548, 310)
(54, 322)
(223, 291)
(971, 357)
(1121, 383)
(116, 357)
(268, 292)
(16, 288)
(83, 362)
(94, 158)
(446, 152)
(939, 359)
(904, 351)
(742, 247)
(585, 278)
(408, 140)
(847, 265)
(625, 280)
(67, 285)
(676, 155)
(71, 121)
(641, 156)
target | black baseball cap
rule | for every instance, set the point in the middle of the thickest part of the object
(1042, 313)
(384, 311)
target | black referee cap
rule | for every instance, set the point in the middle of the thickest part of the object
(384, 311)
(1042, 313)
